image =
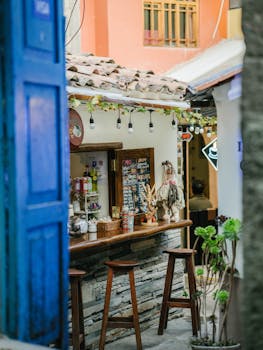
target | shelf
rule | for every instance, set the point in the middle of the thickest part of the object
(92, 194)
(93, 211)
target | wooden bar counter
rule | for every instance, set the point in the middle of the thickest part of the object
(113, 237)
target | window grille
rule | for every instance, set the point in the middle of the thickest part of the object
(171, 23)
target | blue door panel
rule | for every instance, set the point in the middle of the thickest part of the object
(41, 109)
(40, 25)
(2, 161)
(37, 172)
(43, 281)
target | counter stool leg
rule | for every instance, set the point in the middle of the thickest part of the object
(136, 323)
(166, 294)
(106, 309)
(192, 292)
(75, 313)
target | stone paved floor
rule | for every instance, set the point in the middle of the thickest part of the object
(175, 337)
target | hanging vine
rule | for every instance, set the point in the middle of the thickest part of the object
(184, 116)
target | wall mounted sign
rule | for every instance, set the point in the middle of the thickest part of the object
(210, 151)
(76, 130)
(185, 136)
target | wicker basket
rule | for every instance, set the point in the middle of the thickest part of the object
(113, 225)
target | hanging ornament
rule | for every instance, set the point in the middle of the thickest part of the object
(151, 126)
(91, 121)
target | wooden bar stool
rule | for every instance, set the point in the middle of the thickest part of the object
(78, 334)
(168, 301)
(120, 267)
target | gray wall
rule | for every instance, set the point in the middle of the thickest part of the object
(252, 128)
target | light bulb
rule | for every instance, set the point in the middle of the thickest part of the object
(118, 123)
(151, 127)
(209, 133)
(191, 128)
(173, 124)
(197, 130)
(130, 128)
(201, 130)
(180, 131)
(91, 122)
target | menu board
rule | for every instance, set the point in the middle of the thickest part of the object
(135, 175)
(135, 169)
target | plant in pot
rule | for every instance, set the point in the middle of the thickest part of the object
(215, 280)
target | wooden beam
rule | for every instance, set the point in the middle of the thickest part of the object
(91, 147)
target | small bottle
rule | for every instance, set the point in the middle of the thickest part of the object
(125, 219)
(93, 174)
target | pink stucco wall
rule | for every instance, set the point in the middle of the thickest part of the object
(115, 28)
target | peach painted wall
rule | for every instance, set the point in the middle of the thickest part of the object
(121, 35)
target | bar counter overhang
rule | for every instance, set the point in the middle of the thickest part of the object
(106, 239)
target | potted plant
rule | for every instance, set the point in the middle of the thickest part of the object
(215, 282)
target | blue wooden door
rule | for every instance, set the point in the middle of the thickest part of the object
(35, 166)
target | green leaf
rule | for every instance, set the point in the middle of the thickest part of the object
(199, 271)
(222, 296)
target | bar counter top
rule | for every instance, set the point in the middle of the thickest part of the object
(111, 237)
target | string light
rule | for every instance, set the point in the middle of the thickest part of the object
(173, 123)
(180, 131)
(191, 127)
(91, 122)
(151, 126)
(209, 133)
(130, 126)
(119, 120)
(201, 130)
(197, 129)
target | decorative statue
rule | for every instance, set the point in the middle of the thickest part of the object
(170, 197)
(150, 199)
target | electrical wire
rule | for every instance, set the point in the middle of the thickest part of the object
(218, 18)
(81, 23)
(71, 12)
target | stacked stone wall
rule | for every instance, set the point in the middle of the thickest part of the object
(149, 280)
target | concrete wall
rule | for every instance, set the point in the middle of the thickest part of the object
(115, 28)
(163, 139)
(72, 46)
(229, 158)
(149, 281)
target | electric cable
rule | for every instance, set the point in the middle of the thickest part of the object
(71, 12)
(81, 23)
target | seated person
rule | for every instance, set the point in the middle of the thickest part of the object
(199, 201)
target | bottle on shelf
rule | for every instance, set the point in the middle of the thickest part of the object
(93, 174)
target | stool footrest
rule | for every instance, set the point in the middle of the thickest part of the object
(120, 322)
(179, 302)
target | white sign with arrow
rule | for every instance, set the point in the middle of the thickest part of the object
(210, 151)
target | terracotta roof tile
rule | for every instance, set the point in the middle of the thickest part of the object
(103, 73)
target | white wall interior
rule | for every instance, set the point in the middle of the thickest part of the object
(163, 139)
(229, 158)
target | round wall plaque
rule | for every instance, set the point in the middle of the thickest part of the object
(76, 129)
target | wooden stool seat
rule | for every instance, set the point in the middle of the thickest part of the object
(120, 267)
(78, 332)
(122, 264)
(168, 301)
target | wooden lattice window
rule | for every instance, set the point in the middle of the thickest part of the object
(171, 23)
